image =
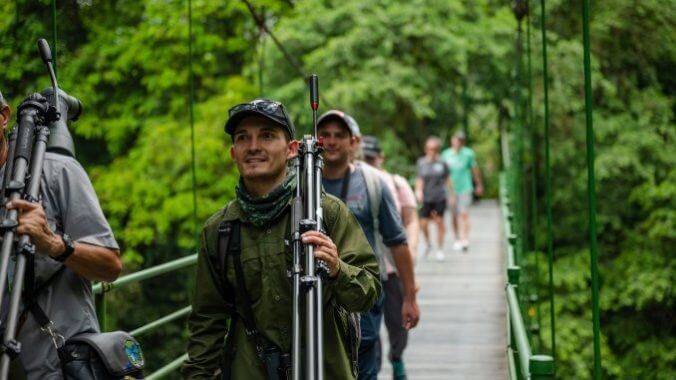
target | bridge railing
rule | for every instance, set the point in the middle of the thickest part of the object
(101, 289)
(522, 363)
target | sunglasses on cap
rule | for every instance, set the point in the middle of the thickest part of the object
(268, 107)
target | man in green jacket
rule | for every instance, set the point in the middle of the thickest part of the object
(262, 136)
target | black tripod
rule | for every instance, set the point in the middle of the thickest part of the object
(308, 277)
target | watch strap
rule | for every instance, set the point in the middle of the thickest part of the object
(69, 248)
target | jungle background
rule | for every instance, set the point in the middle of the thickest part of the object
(404, 69)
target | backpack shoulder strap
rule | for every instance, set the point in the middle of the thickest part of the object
(229, 244)
(225, 237)
(374, 189)
(247, 311)
(219, 262)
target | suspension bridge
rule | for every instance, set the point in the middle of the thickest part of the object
(479, 319)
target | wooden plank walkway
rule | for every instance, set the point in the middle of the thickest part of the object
(462, 332)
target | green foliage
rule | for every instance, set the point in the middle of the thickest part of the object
(634, 124)
(399, 67)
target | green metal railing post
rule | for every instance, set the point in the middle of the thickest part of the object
(591, 190)
(541, 367)
(548, 181)
(521, 362)
(101, 310)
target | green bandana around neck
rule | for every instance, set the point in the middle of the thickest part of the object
(263, 210)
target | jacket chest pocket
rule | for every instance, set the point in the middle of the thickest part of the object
(264, 268)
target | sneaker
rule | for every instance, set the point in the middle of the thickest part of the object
(398, 370)
(465, 245)
(440, 255)
(457, 245)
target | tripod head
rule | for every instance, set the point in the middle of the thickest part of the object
(67, 108)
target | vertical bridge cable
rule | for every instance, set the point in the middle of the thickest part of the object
(533, 176)
(517, 173)
(548, 182)
(191, 84)
(591, 191)
(261, 62)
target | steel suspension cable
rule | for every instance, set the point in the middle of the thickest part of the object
(191, 94)
(548, 181)
(261, 63)
(591, 190)
(533, 175)
(519, 186)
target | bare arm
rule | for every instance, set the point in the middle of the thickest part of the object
(404, 264)
(449, 185)
(409, 216)
(89, 261)
(451, 192)
(93, 262)
(419, 189)
(476, 174)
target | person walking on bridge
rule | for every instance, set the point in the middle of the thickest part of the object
(407, 207)
(370, 200)
(464, 173)
(241, 315)
(432, 188)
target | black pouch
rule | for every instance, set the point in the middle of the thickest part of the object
(352, 323)
(102, 356)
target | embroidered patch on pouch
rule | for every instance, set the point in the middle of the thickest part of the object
(134, 354)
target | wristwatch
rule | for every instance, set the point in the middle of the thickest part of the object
(70, 248)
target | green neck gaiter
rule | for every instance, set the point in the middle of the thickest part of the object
(263, 210)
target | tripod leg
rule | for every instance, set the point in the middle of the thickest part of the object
(13, 315)
(320, 329)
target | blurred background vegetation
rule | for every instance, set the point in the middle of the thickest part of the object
(405, 70)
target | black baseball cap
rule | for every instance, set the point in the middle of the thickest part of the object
(345, 119)
(370, 146)
(267, 108)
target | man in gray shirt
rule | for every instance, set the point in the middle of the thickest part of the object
(75, 245)
(347, 181)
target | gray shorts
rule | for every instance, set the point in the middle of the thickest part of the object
(462, 203)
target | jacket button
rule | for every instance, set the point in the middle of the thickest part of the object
(276, 298)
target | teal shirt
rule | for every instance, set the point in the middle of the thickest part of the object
(461, 164)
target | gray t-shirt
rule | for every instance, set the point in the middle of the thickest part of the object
(357, 200)
(434, 175)
(71, 207)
